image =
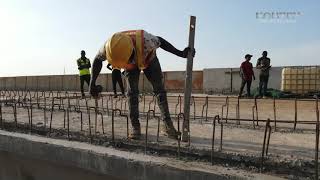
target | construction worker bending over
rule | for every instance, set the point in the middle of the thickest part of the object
(84, 66)
(135, 51)
(116, 78)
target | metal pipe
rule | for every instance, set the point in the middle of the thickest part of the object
(112, 123)
(274, 114)
(317, 142)
(264, 146)
(213, 137)
(144, 103)
(31, 119)
(44, 112)
(88, 111)
(1, 120)
(295, 114)
(158, 130)
(238, 110)
(194, 109)
(96, 116)
(179, 133)
(81, 121)
(207, 99)
(227, 103)
(256, 108)
(52, 107)
(147, 126)
(227, 107)
(102, 125)
(68, 119)
(179, 102)
(317, 152)
(204, 105)
(221, 135)
(15, 113)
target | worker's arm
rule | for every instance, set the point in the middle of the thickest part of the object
(88, 64)
(267, 65)
(165, 45)
(258, 66)
(79, 65)
(108, 66)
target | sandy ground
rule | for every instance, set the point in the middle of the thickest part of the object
(285, 143)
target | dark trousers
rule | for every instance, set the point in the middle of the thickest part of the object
(84, 78)
(155, 77)
(263, 84)
(116, 78)
(243, 83)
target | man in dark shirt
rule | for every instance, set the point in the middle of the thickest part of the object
(246, 73)
(263, 64)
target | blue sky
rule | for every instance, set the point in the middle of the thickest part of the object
(39, 37)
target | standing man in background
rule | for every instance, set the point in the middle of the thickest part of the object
(116, 78)
(246, 73)
(263, 64)
(84, 66)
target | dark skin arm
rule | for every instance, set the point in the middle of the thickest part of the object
(109, 67)
(79, 66)
(87, 66)
(258, 66)
(165, 45)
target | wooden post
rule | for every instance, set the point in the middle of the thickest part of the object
(188, 82)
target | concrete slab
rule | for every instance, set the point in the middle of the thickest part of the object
(112, 162)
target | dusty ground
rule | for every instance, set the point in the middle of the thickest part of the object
(287, 146)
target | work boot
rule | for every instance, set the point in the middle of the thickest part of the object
(170, 131)
(135, 132)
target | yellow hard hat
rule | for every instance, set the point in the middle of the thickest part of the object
(119, 49)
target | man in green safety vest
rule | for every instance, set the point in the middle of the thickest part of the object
(84, 66)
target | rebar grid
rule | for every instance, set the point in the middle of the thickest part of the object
(70, 103)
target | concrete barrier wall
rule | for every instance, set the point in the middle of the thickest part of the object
(175, 81)
(214, 80)
(228, 80)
